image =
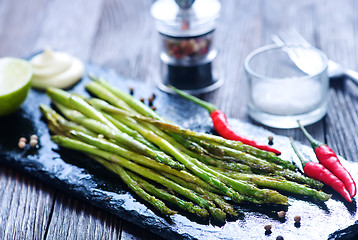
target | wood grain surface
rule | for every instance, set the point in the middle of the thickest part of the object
(121, 35)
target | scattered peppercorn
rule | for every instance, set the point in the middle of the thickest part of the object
(153, 108)
(21, 144)
(279, 238)
(297, 224)
(281, 214)
(34, 136)
(267, 227)
(151, 100)
(270, 140)
(131, 90)
(33, 142)
(297, 218)
(153, 96)
(142, 100)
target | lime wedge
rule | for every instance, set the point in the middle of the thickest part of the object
(15, 79)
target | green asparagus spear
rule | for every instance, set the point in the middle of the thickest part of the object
(160, 193)
(90, 137)
(243, 157)
(190, 145)
(145, 172)
(218, 200)
(299, 178)
(234, 166)
(167, 147)
(125, 129)
(138, 158)
(77, 103)
(188, 162)
(259, 165)
(113, 95)
(53, 117)
(131, 101)
(280, 185)
(245, 188)
(135, 187)
(211, 139)
(105, 94)
(118, 136)
(180, 156)
(135, 105)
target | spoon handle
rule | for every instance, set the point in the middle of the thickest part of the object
(352, 75)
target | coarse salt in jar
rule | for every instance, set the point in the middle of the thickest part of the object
(187, 53)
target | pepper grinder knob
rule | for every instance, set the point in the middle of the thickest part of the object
(185, 4)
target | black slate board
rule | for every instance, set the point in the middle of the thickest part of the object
(77, 175)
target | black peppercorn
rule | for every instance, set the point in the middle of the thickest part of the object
(270, 140)
(267, 227)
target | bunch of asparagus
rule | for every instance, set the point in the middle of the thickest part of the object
(163, 163)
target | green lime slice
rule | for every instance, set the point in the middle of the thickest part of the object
(15, 82)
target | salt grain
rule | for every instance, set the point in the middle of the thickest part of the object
(287, 96)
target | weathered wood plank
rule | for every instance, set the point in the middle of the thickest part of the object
(126, 39)
(25, 206)
(70, 26)
(19, 24)
(336, 40)
(74, 219)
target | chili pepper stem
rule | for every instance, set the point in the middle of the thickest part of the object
(315, 143)
(210, 107)
(302, 160)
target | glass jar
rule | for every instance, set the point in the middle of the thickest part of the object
(186, 30)
(281, 90)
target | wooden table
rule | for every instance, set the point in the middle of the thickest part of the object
(121, 35)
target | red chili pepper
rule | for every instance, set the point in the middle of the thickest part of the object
(329, 159)
(319, 172)
(221, 124)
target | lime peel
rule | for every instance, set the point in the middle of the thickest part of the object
(15, 82)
